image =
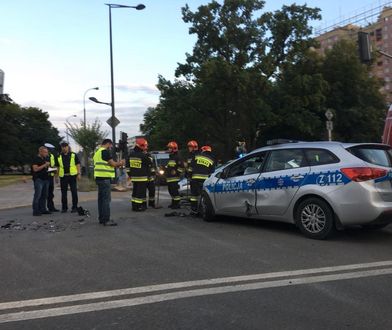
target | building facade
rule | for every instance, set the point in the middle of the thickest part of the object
(380, 35)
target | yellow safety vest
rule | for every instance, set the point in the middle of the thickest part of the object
(52, 163)
(101, 167)
(73, 170)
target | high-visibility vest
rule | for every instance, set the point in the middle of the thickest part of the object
(73, 170)
(52, 163)
(102, 169)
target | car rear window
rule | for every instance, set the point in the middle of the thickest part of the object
(377, 155)
(320, 157)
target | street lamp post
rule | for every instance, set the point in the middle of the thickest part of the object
(112, 5)
(66, 127)
(84, 104)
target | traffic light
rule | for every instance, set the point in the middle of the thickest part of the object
(365, 54)
(123, 144)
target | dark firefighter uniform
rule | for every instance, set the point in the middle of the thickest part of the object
(202, 166)
(138, 172)
(174, 169)
(151, 181)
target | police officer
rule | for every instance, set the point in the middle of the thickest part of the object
(138, 172)
(69, 171)
(51, 174)
(202, 165)
(174, 169)
(151, 180)
(104, 172)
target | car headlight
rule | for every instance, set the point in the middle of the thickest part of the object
(161, 172)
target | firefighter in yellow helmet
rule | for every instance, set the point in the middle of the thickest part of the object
(174, 169)
(138, 172)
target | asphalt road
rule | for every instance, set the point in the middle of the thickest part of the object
(157, 272)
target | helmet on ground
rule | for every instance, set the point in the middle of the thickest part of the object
(193, 144)
(173, 146)
(141, 143)
(206, 148)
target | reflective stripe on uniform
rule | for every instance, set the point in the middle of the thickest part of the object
(200, 176)
(138, 200)
(52, 164)
(73, 170)
(138, 178)
(101, 168)
(174, 179)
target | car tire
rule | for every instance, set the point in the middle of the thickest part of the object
(206, 209)
(375, 226)
(315, 218)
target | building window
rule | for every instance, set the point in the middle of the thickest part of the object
(379, 63)
(378, 34)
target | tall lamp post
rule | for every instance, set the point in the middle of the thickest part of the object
(112, 5)
(84, 104)
(66, 127)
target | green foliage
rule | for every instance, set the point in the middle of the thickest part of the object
(23, 131)
(255, 76)
(87, 137)
(353, 95)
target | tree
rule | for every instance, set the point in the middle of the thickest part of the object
(229, 76)
(88, 137)
(299, 100)
(354, 95)
(23, 131)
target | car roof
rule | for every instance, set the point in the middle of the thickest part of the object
(316, 144)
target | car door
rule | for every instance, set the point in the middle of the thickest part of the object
(234, 192)
(284, 172)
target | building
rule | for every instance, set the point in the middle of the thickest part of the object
(380, 35)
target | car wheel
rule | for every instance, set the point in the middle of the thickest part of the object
(375, 226)
(206, 209)
(314, 217)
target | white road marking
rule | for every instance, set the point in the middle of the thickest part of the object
(187, 284)
(99, 306)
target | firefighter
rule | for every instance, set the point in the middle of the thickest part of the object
(151, 180)
(138, 172)
(174, 169)
(193, 149)
(202, 165)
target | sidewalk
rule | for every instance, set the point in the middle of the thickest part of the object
(21, 194)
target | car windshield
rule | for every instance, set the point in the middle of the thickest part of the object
(373, 154)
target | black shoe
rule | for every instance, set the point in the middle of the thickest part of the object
(170, 206)
(54, 210)
(74, 210)
(193, 213)
(37, 214)
(110, 223)
(64, 211)
(46, 212)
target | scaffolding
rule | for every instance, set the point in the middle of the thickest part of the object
(363, 17)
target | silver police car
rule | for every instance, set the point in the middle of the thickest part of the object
(319, 186)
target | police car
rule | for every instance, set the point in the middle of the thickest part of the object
(319, 186)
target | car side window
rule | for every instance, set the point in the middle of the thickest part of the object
(249, 165)
(285, 159)
(320, 157)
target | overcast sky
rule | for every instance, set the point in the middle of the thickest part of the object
(53, 51)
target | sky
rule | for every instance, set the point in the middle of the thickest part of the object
(53, 52)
